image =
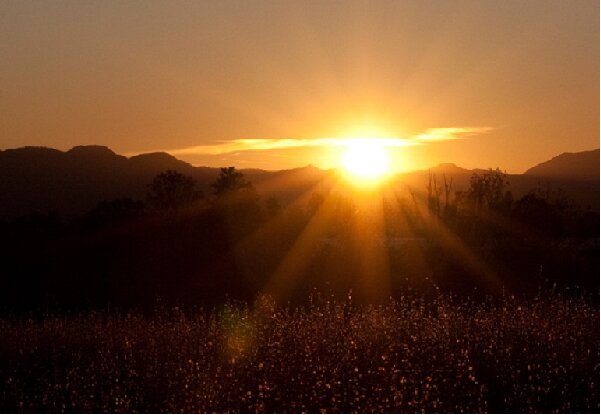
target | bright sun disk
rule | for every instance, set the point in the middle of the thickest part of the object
(367, 160)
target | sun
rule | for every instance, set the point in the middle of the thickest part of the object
(366, 160)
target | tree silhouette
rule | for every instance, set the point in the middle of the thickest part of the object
(237, 202)
(487, 190)
(171, 189)
(433, 195)
(230, 181)
(538, 213)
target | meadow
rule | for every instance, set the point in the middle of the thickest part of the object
(411, 354)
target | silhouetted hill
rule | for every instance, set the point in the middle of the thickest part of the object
(573, 175)
(73, 182)
(39, 179)
(581, 166)
(94, 153)
(417, 180)
(450, 169)
(158, 161)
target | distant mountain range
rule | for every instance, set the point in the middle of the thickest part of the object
(39, 179)
(579, 166)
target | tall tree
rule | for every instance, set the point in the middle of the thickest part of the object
(171, 189)
(487, 190)
(237, 201)
(230, 181)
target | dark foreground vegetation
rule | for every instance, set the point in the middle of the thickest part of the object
(446, 314)
(190, 248)
(443, 354)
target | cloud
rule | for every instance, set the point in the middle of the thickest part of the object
(240, 145)
(450, 133)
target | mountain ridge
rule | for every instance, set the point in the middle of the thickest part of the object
(72, 182)
(581, 165)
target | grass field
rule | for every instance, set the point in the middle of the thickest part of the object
(410, 355)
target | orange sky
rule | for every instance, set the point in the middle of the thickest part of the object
(509, 83)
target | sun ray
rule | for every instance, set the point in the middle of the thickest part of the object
(408, 249)
(368, 236)
(295, 264)
(454, 245)
(359, 249)
(269, 228)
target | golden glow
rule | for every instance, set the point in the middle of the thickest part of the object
(323, 152)
(366, 159)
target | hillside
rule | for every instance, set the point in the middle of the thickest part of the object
(580, 166)
(573, 175)
(39, 179)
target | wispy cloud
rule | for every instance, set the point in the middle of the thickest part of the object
(240, 145)
(449, 133)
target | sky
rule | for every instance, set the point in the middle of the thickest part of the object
(275, 84)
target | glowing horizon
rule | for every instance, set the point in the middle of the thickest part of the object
(336, 144)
